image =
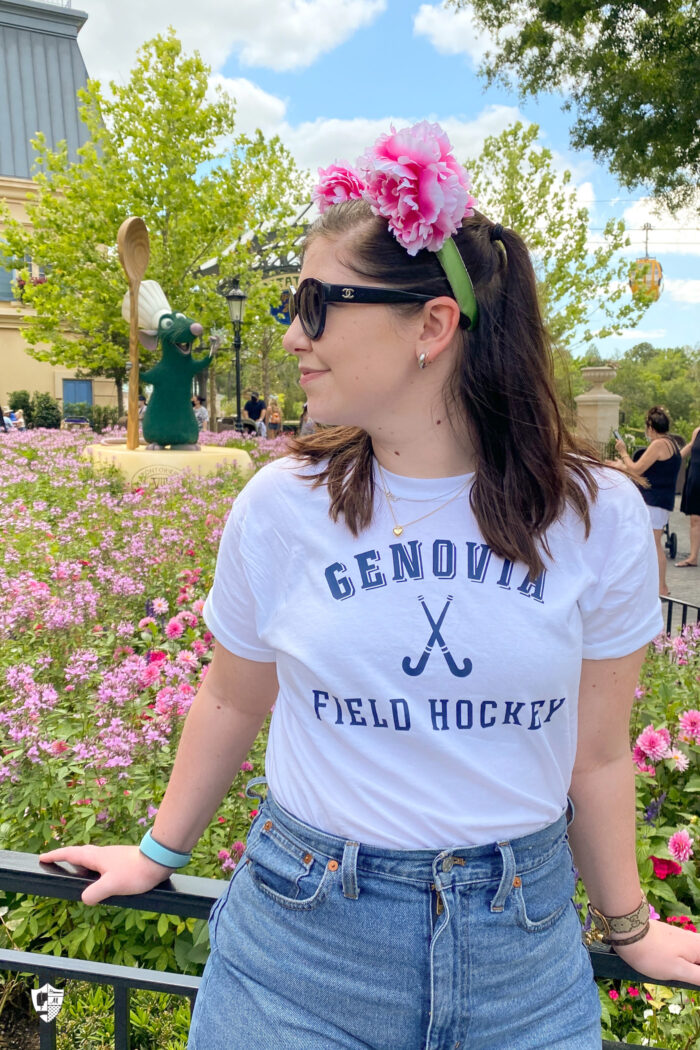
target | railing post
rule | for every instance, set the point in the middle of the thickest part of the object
(47, 1029)
(122, 1021)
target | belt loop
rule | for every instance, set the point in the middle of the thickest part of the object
(252, 784)
(507, 878)
(349, 871)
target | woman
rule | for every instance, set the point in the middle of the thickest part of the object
(453, 574)
(690, 500)
(659, 464)
(274, 418)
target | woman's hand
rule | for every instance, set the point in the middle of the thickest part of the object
(620, 446)
(123, 869)
(667, 953)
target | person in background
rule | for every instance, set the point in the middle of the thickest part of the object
(201, 411)
(690, 500)
(660, 464)
(255, 410)
(19, 420)
(273, 418)
(143, 405)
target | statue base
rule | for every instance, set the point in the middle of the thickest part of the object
(141, 466)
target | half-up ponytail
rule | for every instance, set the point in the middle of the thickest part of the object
(528, 466)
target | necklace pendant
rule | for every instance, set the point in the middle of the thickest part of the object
(397, 530)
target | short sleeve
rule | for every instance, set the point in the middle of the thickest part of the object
(621, 610)
(232, 612)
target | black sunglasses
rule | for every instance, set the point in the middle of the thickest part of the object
(309, 301)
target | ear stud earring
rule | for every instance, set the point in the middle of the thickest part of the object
(423, 361)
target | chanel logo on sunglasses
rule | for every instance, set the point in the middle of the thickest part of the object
(348, 293)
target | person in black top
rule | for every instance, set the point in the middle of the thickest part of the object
(255, 410)
(660, 464)
(690, 501)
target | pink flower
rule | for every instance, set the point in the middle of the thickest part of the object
(336, 184)
(632, 991)
(663, 868)
(689, 725)
(160, 606)
(613, 994)
(174, 629)
(680, 846)
(653, 913)
(680, 760)
(246, 767)
(654, 743)
(414, 182)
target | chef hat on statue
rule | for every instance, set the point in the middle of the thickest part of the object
(152, 306)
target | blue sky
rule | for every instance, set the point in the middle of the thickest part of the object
(328, 76)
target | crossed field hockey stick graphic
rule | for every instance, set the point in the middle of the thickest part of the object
(436, 636)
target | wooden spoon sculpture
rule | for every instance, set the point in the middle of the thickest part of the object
(134, 252)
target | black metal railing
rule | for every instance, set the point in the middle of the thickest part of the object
(689, 613)
(187, 897)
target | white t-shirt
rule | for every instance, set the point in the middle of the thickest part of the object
(427, 688)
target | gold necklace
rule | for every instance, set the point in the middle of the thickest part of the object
(390, 498)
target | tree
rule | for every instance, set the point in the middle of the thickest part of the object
(631, 71)
(582, 287)
(669, 377)
(158, 148)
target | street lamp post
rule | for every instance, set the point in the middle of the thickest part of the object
(235, 300)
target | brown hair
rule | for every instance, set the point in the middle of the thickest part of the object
(658, 419)
(528, 464)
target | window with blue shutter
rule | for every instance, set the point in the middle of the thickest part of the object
(77, 391)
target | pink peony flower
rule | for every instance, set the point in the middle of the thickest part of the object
(336, 184)
(689, 725)
(413, 181)
(654, 743)
(680, 846)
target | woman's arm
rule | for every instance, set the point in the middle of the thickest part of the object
(638, 468)
(221, 725)
(603, 833)
(685, 451)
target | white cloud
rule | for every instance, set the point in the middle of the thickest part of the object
(322, 141)
(255, 108)
(641, 334)
(452, 32)
(671, 234)
(682, 290)
(277, 34)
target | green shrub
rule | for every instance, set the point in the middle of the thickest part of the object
(45, 411)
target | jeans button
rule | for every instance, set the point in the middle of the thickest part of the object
(448, 863)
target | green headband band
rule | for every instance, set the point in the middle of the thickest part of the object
(459, 280)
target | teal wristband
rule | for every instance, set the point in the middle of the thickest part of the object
(169, 858)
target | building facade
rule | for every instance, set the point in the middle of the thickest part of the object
(41, 71)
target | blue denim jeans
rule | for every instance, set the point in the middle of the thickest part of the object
(323, 944)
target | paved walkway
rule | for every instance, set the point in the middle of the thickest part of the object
(683, 584)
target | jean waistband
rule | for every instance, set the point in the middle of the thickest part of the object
(464, 863)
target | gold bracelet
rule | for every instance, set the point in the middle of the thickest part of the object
(609, 925)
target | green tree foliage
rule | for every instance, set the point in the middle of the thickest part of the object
(160, 148)
(647, 376)
(583, 288)
(630, 71)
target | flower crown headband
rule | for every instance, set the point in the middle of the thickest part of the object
(412, 180)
